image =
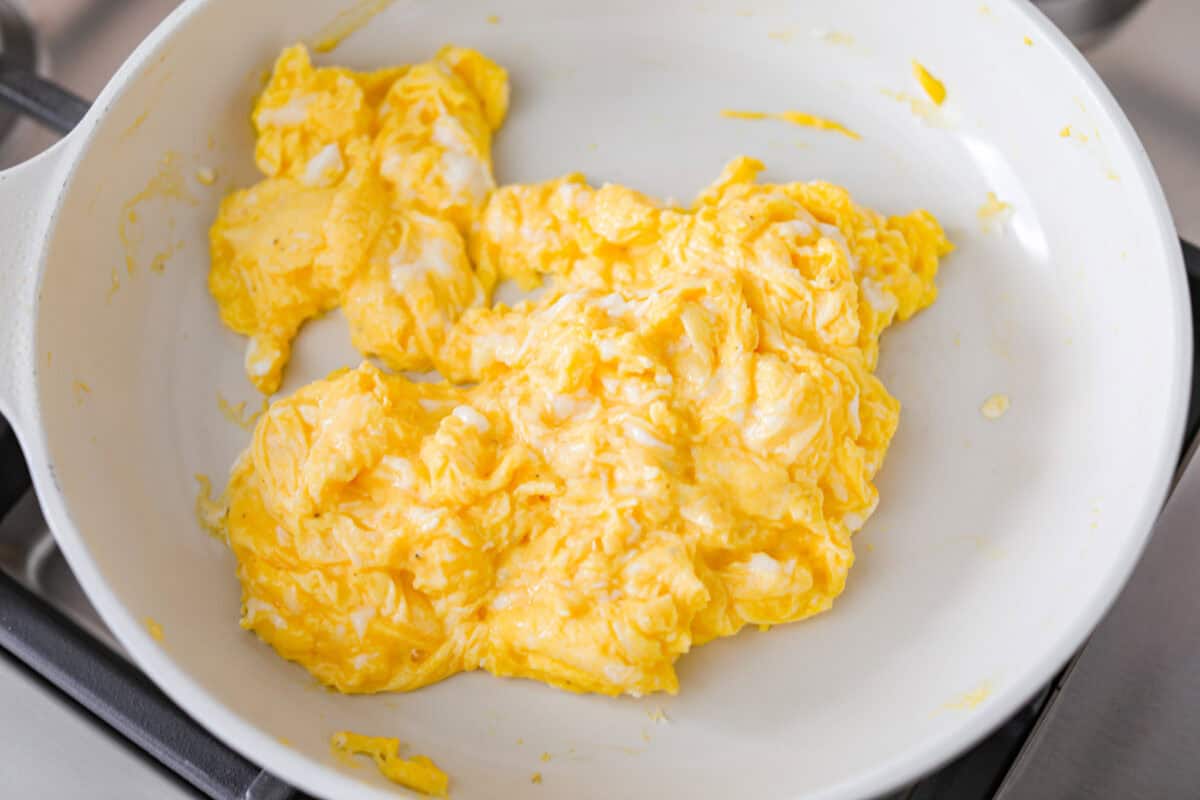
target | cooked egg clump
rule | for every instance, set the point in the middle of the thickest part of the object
(373, 182)
(675, 440)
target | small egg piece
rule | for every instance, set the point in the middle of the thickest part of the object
(154, 629)
(932, 86)
(417, 773)
(993, 213)
(995, 406)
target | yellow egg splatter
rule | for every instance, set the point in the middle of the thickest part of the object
(132, 128)
(921, 108)
(754, 115)
(347, 22)
(166, 185)
(972, 699)
(417, 773)
(210, 512)
(995, 406)
(794, 117)
(835, 37)
(237, 413)
(154, 629)
(1070, 133)
(932, 86)
(993, 213)
(81, 390)
(158, 263)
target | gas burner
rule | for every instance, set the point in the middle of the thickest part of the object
(18, 52)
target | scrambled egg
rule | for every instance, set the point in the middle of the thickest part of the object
(373, 181)
(675, 440)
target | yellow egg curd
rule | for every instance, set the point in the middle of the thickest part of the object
(675, 440)
(373, 180)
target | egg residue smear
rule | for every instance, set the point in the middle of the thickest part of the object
(675, 440)
(801, 118)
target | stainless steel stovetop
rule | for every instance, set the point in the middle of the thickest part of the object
(50, 747)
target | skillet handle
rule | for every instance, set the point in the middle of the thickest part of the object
(24, 199)
(30, 629)
(50, 104)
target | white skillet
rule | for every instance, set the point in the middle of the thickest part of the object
(997, 545)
